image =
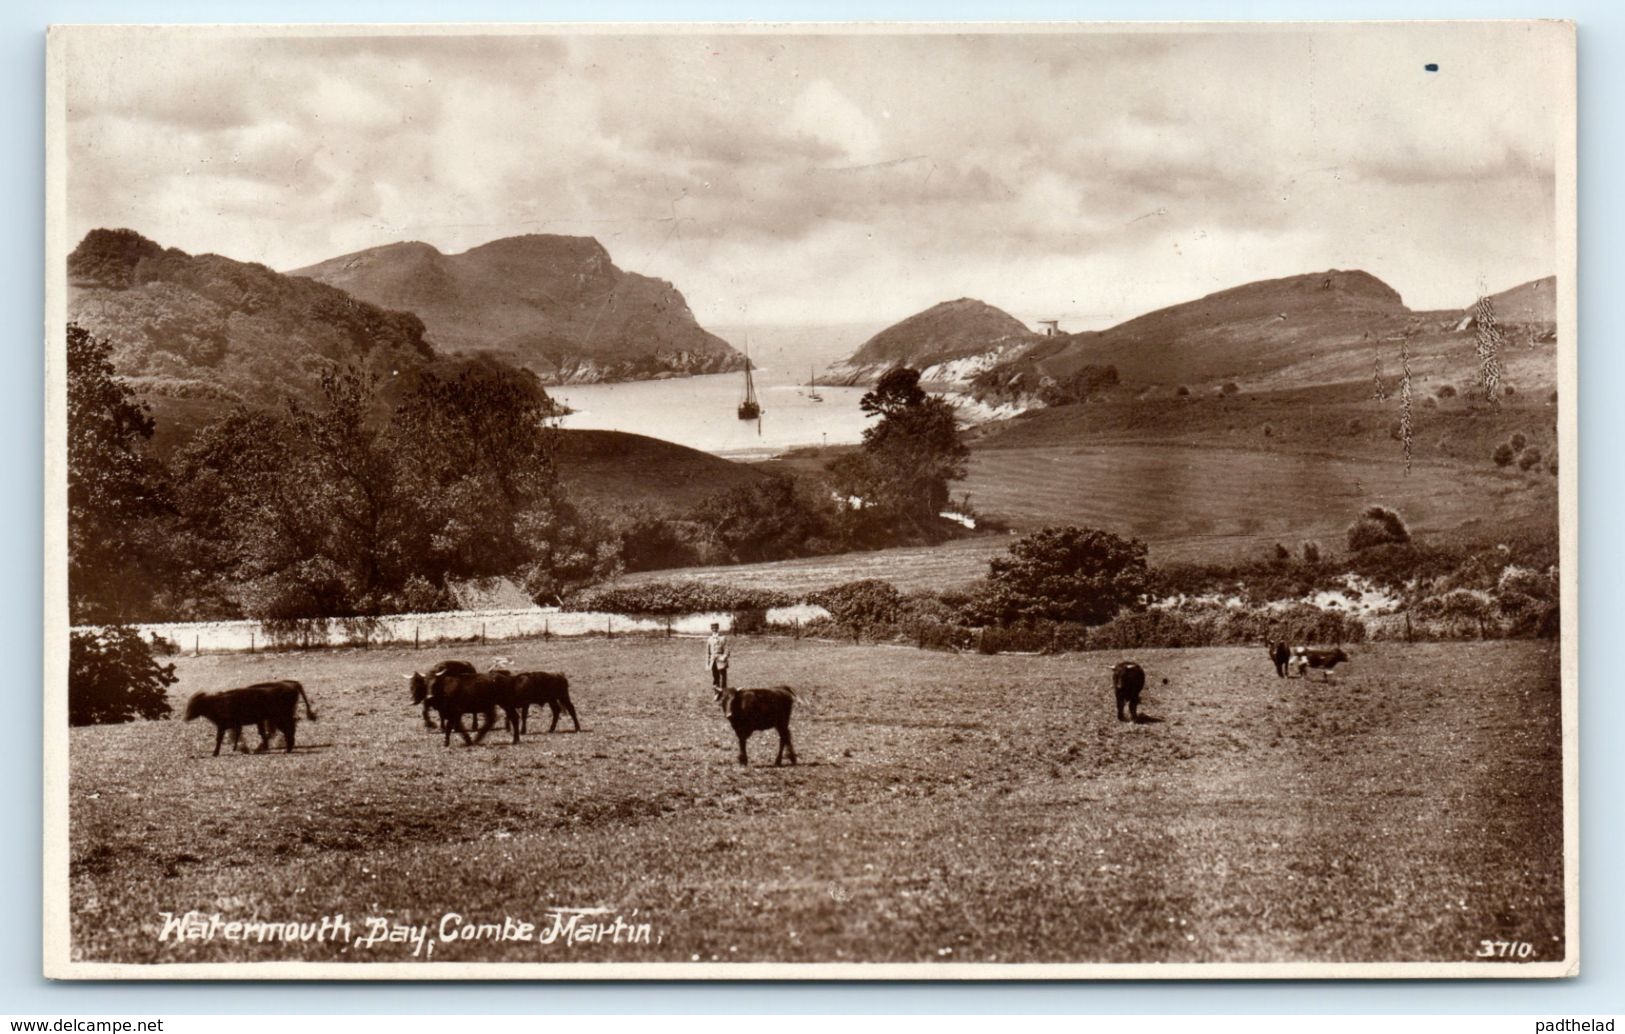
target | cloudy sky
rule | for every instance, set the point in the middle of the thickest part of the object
(792, 177)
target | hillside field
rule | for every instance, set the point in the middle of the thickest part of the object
(947, 808)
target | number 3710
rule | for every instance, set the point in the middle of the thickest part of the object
(1488, 949)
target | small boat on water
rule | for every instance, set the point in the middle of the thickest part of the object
(749, 409)
(812, 385)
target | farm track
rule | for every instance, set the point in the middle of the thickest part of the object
(948, 808)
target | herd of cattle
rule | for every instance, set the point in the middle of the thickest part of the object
(454, 689)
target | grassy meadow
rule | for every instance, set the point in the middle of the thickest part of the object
(947, 808)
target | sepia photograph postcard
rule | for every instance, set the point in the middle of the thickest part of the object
(960, 501)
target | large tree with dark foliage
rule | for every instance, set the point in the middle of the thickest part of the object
(113, 678)
(1065, 574)
(909, 456)
(114, 488)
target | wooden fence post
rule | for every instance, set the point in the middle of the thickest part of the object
(251, 642)
(482, 633)
(415, 632)
(609, 626)
(547, 632)
(196, 650)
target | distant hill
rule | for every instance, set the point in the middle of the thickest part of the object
(949, 343)
(1320, 328)
(1531, 303)
(552, 304)
(207, 327)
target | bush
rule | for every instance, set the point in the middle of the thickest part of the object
(861, 605)
(1064, 574)
(1269, 431)
(1446, 391)
(1182, 391)
(1518, 441)
(113, 678)
(1529, 460)
(677, 598)
(1377, 526)
(1230, 388)
(1503, 454)
(1311, 553)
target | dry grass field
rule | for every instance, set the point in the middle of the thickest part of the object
(1215, 503)
(946, 808)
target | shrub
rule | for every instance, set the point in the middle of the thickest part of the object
(1446, 391)
(1064, 574)
(1508, 390)
(1377, 526)
(677, 598)
(861, 605)
(113, 678)
(1269, 431)
(1354, 426)
(1518, 441)
(1182, 391)
(1529, 460)
(1282, 554)
(1230, 388)
(1503, 454)
(1311, 553)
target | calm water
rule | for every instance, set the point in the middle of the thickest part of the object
(700, 412)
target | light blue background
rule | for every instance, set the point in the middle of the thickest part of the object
(1602, 240)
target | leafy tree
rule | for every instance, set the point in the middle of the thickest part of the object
(113, 486)
(1530, 459)
(1503, 454)
(765, 520)
(910, 455)
(1377, 526)
(112, 677)
(1065, 574)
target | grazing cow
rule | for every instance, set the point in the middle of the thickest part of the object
(268, 706)
(457, 694)
(1321, 660)
(1280, 655)
(444, 668)
(543, 688)
(1128, 679)
(757, 710)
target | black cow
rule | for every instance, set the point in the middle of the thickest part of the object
(444, 668)
(1128, 679)
(460, 693)
(543, 688)
(757, 710)
(1280, 655)
(268, 706)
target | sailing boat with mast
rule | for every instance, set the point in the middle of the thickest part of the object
(812, 385)
(749, 409)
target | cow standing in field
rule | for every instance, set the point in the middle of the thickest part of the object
(1128, 679)
(444, 668)
(268, 706)
(1321, 660)
(757, 710)
(543, 688)
(457, 694)
(1280, 656)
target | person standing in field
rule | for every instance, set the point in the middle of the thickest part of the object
(716, 657)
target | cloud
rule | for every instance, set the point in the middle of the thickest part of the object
(856, 175)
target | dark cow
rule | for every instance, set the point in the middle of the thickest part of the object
(757, 710)
(268, 706)
(457, 694)
(444, 668)
(544, 689)
(1321, 660)
(1280, 655)
(1128, 679)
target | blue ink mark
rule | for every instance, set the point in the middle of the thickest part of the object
(1431, 67)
